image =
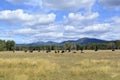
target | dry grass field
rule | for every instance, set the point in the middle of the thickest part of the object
(91, 65)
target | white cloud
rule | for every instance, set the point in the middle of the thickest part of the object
(19, 16)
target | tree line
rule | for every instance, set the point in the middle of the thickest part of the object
(68, 46)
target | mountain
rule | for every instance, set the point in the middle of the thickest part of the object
(79, 41)
(90, 40)
(85, 41)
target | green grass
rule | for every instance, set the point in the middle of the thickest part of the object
(101, 65)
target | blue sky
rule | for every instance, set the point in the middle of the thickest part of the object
(27, 21)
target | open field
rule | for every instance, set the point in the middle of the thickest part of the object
(91, 65)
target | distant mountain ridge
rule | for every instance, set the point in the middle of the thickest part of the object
(79, 41)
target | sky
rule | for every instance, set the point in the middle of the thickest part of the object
(28, 21)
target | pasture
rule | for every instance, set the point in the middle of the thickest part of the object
(91, 65)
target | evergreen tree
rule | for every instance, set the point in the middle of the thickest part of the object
(10, 45)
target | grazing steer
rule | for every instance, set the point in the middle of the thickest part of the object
(74, 52)
(62, 51)
(55, 51)
(25, 51)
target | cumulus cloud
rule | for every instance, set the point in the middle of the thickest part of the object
(78, 19)
(16, 16)
(110, 4)
(19, 16)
